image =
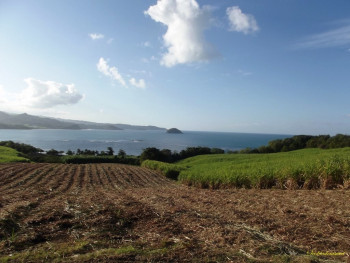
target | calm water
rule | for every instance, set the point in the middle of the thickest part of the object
(133, 142)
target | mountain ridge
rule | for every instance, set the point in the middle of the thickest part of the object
(27, 121)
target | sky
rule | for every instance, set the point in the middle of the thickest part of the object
(257, 66)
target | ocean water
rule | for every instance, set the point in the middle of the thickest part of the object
(133, 142)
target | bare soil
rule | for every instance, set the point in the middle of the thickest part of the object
(119, 213)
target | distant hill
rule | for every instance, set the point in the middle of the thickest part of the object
(118, 125)
(26, 121)
(137, 127)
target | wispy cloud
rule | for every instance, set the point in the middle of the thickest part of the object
(244, 73)
(184, 38)
(333, 38)
(241, 22)
(146, 44)
(138, 84)
(95, 36)
(111, 72)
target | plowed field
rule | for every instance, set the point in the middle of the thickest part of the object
(113, 213)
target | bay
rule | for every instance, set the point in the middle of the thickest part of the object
(133, 142)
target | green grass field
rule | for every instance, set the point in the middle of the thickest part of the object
(308, 168)
(8, 155)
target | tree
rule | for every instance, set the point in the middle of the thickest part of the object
(193, 151)
(89, 152)
(53, 152)
(265, 149)
(275, 145)
(121, 154)
(319, 141)
(110, 151)
(151, 153)
(70, 152)
(167, 155)
(217, 151)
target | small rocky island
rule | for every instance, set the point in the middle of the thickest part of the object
(174, 131)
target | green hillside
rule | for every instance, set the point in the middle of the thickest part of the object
(307, 168)
(8, 155)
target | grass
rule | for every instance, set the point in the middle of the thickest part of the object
(307, 168)
(9, 155)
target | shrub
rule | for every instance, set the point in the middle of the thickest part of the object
(81, 159)
(171, 171)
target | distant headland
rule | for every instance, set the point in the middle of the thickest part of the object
(26, 121)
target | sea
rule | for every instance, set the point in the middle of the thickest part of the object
(133, 141)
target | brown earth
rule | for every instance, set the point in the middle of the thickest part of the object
(114, 213)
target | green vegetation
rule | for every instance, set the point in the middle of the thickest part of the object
(25, 152)
(168, 156)
(21, 147)
(277, 165)
(8, 155)
(301, 142)
(92, 156)
(80, 159)
(32, 153)
(171, 171)
(308, 168)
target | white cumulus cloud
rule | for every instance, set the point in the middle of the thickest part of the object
(241, 22)
(139, 84)
(184, 38)
(95, 36)
(111, 72)
(47, 94)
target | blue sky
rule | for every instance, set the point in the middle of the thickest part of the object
(237, 66)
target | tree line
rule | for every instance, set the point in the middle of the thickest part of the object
(301, 142)
(79, 156)
(93, 156)
(165, 155)
(168, 156)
